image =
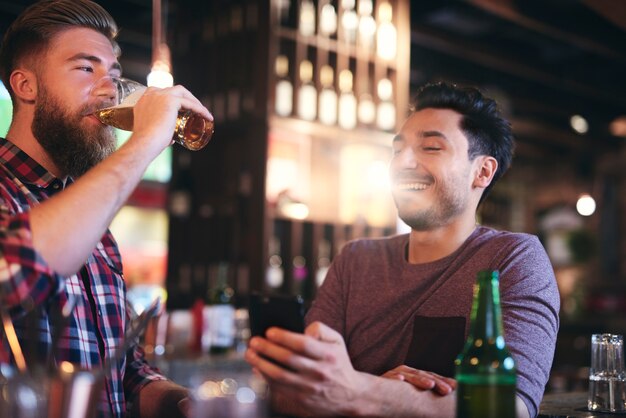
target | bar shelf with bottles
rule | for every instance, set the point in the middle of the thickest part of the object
(359, 50)
(338, 90)
(304, 116)
(300, 252)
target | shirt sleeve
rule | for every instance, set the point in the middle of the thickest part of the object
(138, 372)
(530, 308)
(24, 274)
(329, 304)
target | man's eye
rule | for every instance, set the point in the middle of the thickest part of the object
(86, 69)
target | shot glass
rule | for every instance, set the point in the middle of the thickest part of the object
(607, 377)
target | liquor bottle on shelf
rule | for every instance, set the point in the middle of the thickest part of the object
(283, 102)
(367, 25)
(349, 20)
(328, 20)
(328, 97)
(307, 94)
(300, 274)
(323, 262)
(306, 25)
(182, 189)
(386, 113)
(347, 101)
(387, 36)
(285, 13)
(366, 109)
(485, 370)
(219, 314)
(274, 275)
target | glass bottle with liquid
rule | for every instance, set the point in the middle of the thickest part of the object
(220, 314)
(328, 97)
(485, 369)
(386, 111)
(347, 101)
(307, 94)
(387, 35)
(306, 24)
(328, 20)
(283, 101)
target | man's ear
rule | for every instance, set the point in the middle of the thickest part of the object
(486, 169)
(24, 85)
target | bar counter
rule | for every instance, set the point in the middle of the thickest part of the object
(570, 405)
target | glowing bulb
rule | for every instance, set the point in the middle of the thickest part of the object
(586, 205)
(159, 77)
(579, 124)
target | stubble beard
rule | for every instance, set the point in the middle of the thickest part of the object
(73, 148)
(449, 204)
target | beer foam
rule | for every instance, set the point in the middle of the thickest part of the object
(133, 98)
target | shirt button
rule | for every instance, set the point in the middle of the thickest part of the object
(55, 185)
(99, 312)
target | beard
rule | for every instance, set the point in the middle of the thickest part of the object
(73, 148)
(449, 203)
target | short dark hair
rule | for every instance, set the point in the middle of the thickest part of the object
(487, 131)
(33, 29)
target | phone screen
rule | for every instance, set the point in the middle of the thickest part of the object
(285, 312)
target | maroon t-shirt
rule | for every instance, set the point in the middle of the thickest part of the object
(391, 312)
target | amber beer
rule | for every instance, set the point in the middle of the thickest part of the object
(485, 370)
(192, 130)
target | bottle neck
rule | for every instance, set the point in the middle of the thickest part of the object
(486, 319)
(221, 280)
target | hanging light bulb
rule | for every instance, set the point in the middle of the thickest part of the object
(161, 71)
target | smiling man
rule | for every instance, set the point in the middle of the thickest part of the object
(61, 183)
(393, 313)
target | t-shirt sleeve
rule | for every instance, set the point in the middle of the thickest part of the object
(530, 309)
(329, 305)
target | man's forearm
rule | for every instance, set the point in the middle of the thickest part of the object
(378, 397)
(391, 398)
(383, 397)
(86, 209)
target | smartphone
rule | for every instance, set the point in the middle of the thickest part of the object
(267, 311)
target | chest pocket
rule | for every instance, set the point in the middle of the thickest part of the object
(435, 343)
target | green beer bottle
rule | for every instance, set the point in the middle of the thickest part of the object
(485, 370)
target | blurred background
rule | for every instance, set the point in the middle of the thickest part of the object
(307, 94)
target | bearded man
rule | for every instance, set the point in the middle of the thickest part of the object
(393, 313)
(61, 183)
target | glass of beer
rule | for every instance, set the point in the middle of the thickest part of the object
(192, 130)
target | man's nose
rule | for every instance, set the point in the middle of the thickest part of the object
(106, 87)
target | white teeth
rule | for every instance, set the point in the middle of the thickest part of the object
(412, 186)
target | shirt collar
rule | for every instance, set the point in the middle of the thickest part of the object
(27, 170)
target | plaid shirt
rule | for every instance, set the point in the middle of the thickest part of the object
(96, 326)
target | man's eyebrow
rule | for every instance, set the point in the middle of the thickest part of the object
(82, 56)
(427, 134)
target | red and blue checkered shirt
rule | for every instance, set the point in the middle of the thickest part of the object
(97, 324)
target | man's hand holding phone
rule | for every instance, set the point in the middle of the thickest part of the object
(286, 312)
